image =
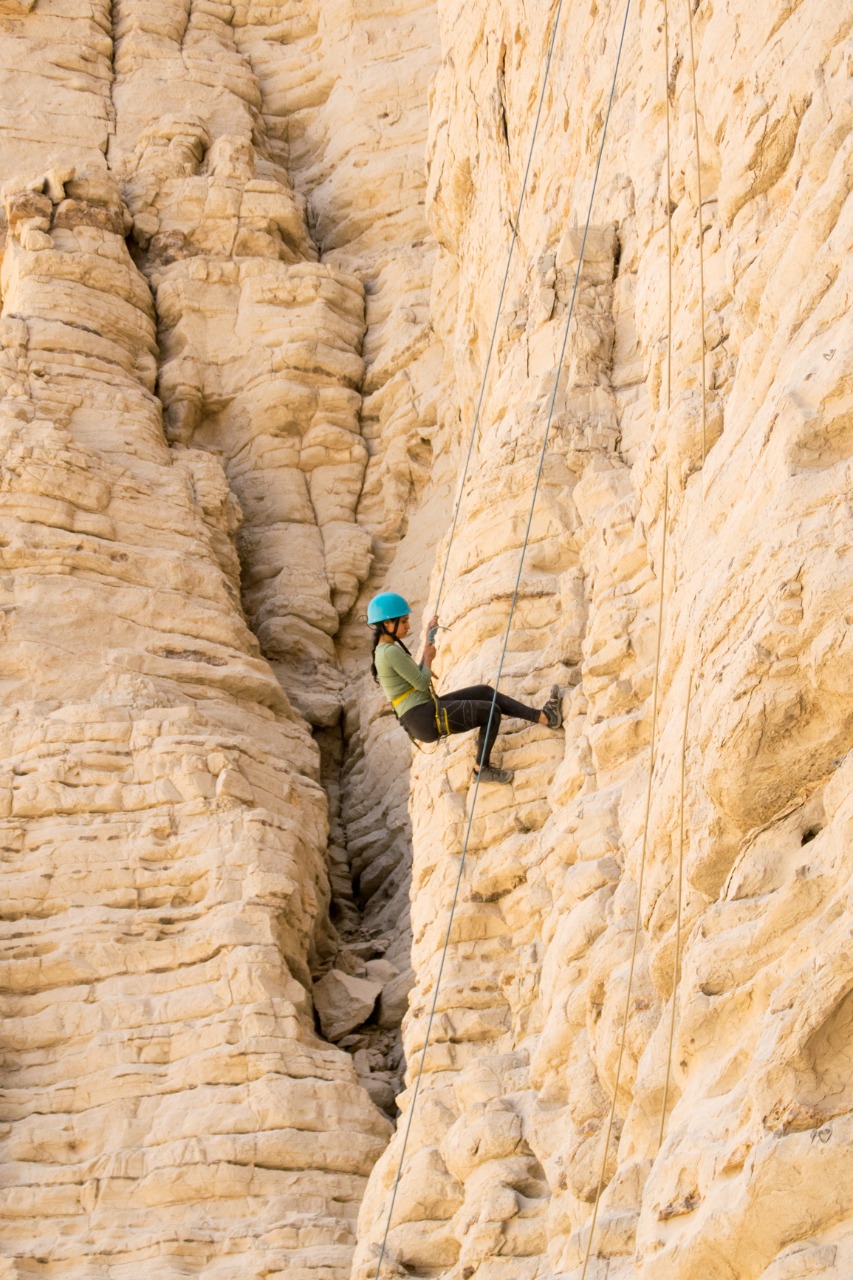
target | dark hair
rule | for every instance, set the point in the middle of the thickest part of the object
(378, 632)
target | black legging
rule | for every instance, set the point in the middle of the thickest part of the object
(467, 709)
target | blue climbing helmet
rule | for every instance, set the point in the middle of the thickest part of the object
(387, 606)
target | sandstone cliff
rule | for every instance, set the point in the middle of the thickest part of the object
(506, 1147)
(182, 380)
(251, 260)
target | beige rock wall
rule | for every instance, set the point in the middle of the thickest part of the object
(506, 1146)
(163, 822)
(355, 135)
(251, 258)
(182, 457)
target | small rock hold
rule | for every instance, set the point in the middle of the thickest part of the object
(33, 240)
(361, 1062)
(231, 785)
(353, 1042)
(350, 962)
(736, 1158)
(145, 225)
(679, 1206)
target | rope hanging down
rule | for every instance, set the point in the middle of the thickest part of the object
(638, 912)
(487, 366)
(513, 603)
(668, 211)
(676, 959)
(668, 410)
(701, 240)
(637, 918)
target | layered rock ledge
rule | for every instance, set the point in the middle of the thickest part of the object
(251, 260)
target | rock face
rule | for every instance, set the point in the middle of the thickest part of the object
(163, 823)
(252, 256)
(506, 1147)
(343, 1002)
(178, 375)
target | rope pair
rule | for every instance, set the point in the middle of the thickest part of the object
(514, 600)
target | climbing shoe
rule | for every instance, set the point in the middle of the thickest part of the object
(553, 708)
(488, 773)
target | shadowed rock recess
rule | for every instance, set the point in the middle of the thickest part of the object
(252, 255)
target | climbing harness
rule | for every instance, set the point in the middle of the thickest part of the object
(395, 702)
(443, 729)
(513, 603)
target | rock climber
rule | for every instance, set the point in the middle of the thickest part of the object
(427, 716)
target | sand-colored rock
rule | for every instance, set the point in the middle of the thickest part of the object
(163, 817)
(523, 1055)
(343, 1002)
(167, 1100)
(252, 254)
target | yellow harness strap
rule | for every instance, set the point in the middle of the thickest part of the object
(395, 702)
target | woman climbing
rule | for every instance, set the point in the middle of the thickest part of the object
(427, 716)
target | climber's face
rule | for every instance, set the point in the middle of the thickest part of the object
(403, 627)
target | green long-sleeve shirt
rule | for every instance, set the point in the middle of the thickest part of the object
(399, 674)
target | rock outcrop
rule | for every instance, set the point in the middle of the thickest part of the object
(168, 1098)
(252, 256)
(506, 1147)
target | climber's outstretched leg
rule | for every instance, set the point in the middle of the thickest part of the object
(471, 708)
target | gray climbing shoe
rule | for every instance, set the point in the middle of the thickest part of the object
(553, 708)
(488, 773)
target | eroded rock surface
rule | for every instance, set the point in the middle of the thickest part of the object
(168, 1100)
(252, 254)
(507, 1143)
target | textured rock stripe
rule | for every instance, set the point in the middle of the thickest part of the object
(753, 1178)
(166, 1099)
(242, 336)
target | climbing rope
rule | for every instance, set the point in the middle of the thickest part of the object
(507, 631)
(637, 918)
(669, 407)
(668, 210)
(638, 912)
(676, 961)
(487, 366)
(701, 238)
